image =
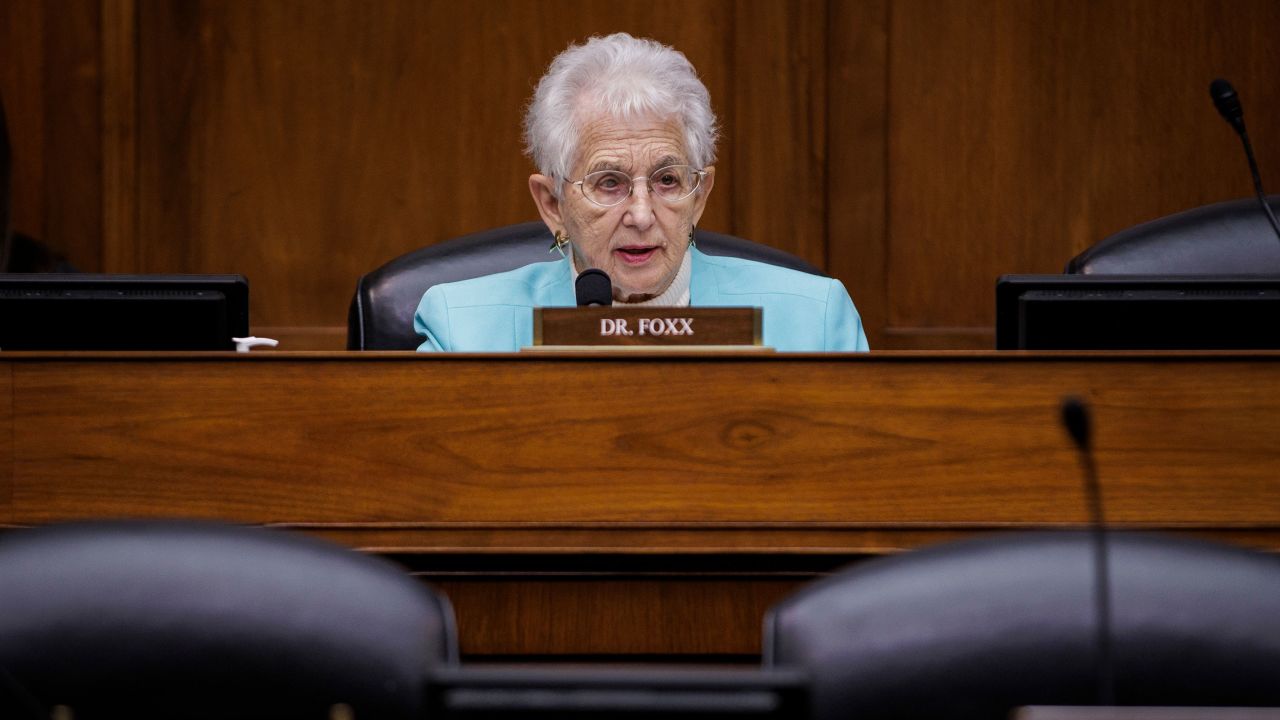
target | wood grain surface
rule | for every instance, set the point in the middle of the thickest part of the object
(857, 156)
(22, 80)
(914, 149)
(640, 505)
(909, 440)
(647, 616)
(304, 145)
(1020, 133)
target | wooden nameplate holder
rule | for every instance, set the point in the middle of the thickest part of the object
(647, 327)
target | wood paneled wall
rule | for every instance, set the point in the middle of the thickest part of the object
(914, 148)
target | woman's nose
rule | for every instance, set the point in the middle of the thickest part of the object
(640, 207)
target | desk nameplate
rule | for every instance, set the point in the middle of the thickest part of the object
(647, 326)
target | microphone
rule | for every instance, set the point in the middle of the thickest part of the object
(1076, 419)
(593, 287)
(1228, 104)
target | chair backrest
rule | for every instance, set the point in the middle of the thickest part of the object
(973, 629)
(381, 313)
(153, 619)
(1226, 238)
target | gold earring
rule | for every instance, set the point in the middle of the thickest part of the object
(559, 243)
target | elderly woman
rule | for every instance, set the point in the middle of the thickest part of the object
(623, 134)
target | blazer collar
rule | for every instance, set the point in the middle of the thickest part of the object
(704, 290)
(557, 289)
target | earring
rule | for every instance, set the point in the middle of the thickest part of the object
(692, 229)
(559, 243)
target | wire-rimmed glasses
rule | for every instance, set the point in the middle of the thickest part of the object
(671, 184)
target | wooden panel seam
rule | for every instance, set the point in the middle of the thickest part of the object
(119, 136)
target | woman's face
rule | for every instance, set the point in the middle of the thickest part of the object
(641, 241)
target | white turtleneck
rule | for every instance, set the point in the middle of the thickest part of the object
(676, 294)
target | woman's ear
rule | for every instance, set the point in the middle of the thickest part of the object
(543, 189)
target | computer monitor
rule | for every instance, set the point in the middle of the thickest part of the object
(74, 311)
(1137, 312)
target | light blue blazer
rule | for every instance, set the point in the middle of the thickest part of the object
(802, 312)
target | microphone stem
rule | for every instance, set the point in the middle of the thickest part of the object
(1102, 582)
(1257, 180)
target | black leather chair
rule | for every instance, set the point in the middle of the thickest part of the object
(381, 313)
(156, 619)
(1226, 238)
(973, 629)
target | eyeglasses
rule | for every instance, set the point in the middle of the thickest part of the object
(672, 184)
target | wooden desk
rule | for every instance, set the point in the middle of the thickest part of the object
(638, 504)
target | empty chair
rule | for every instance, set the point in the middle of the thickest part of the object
(1226, 238)
(381, 312)
(196, 620)
(973, 629)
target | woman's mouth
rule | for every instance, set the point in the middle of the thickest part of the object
(635, 254)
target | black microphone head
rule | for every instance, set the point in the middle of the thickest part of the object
(1075, 418)
(593, 287)
(1227, 101)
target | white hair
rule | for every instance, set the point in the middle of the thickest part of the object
(623, 77)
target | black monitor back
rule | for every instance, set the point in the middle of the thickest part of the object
(74, 311)
(1137, 312)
